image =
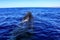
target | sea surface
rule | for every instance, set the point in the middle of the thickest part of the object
(46, 24)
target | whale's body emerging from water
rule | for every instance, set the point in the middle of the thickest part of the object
(19, 30)
(28, 17)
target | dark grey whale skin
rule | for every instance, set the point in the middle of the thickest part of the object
(28, 16)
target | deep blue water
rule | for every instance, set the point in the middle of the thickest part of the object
(46, 23)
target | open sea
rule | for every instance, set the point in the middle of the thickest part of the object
(46, 24)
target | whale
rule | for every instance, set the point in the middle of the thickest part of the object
(19, 31)
(28, 17)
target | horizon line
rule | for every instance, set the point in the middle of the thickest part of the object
(29, 7)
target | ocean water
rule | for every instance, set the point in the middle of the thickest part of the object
(46, 24)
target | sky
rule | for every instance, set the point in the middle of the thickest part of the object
(29, 3)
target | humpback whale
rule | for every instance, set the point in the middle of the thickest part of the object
(28, 17)
(19, 32)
